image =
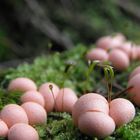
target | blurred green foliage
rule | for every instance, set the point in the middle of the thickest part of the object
(82, 21)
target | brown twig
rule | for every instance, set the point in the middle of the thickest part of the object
(121, 92)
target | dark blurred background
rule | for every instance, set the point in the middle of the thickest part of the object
(29, 28)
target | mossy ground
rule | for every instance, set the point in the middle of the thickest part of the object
(52, 68)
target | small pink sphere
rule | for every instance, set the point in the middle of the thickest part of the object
(96, 124)
(87, 102)
(33, 96)
(97, 54)
(3, 129)
(22, 84)
(119, 59)
(134, 53)
(122, 111)
(104, 42)
(21, 131)
(12, 114)
(120, 37)
(135, 72)
(35, 112)
(49, 97)
(138, 52)
(115, 42)
(65, 100)
(126, 47)
(134, 92)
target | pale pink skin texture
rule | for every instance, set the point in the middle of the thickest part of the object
(12, 114)
(96, 124)
(134, 53)
(134, 93)
(126, 47)
(119, 59)
(87, 102)
(33, 96)
(21, 131)
(138, 52)
(22, 84)
(97, 54)
(120, 37)
(35, 112)
(122, 111)
(104, 42)
(65, 100)
(3, 129)
(135, 72)
(48, 96)
(115, 42)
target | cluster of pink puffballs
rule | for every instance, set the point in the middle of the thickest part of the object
(95, 116)
(115, 49)
(16, 120)
(134, 82)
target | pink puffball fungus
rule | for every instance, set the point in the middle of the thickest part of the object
(115, 42)
(96, 124)
(134, 92)
(135, 72)
(88, 102)
(35, 112)
(49, 97)
(65, 100)
(119, 59)
(126, 47)
(3, 129)
(138, 52)
(12, 114)
(122, 111)
(97, 54)
(104, 42)
(134, 53)
(33, 96)
(21, 131)
(22, 84)
(120, 37)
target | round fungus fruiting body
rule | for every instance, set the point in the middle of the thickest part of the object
(104, 42)
(120, 37)
(96, 124)
(138, 52)
(97, 54)
(134, 53)
(122, 111)
(49, 91)
(3, 129)
(22, 131)
(89, 102)
(22, 84)
(135, 72)
(115, 42)
(118, 59)
(126, 47)
(65, 100)
(35, 112)
(12, 114)
(33, 96)
(134, 92)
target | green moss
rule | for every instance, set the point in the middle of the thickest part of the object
(52, 68)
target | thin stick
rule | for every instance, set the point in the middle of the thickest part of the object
(122, 92)
(51, 88)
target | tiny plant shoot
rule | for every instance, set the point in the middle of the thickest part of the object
(90, 69)
(108, 72)
(51, 89)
